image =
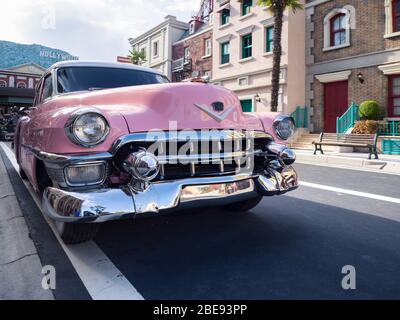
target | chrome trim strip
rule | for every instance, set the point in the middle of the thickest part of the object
(63, 160)
(203, 157)
(185, 136)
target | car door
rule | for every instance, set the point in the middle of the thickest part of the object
(37, 123)
(31, 127)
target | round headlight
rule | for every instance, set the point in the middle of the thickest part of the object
(284, 127)
(88, 129)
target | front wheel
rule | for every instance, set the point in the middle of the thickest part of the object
(75, 233)
(245, 205)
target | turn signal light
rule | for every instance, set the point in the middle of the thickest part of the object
(85, 175)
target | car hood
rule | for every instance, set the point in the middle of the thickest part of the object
(174, 107)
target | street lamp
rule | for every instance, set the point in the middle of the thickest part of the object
(360, 78)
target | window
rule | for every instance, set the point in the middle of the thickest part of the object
(225, 53)
(21, 85)
(247, 46)
(96, 78)
(269, 47)
(246, 7)
(191, 28)
(225, 16)
(338, 30)
(143, 51)
(207, 47)
(47, 90)
(396, 15)
(155, 49)
(247, 105)
(186, 54)
(338, 24)
(3, 84)
(243, 81)
(394, 96)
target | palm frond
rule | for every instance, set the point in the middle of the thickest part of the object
(293, 5)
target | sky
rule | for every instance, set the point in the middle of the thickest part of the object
(89, 29)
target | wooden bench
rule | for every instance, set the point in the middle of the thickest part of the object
(348, 140)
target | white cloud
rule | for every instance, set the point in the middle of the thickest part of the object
(90, 29)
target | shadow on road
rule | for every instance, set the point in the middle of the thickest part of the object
(286, 248)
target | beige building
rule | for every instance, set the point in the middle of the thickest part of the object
(157, 44)
(242, 59)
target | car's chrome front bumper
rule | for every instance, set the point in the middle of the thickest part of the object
(113, 204)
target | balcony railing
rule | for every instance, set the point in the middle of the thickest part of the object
(182, 64)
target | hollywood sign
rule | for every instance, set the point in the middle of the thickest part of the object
(56, 55)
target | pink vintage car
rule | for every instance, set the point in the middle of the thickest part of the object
(112, 141)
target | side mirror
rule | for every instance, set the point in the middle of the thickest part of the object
(24, 111)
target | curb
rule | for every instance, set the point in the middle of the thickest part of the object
(382, 166)
(48, 250)
(20, 265)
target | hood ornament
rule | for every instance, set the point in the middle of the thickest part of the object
(217, 112)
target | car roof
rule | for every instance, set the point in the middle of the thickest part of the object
(101, 64)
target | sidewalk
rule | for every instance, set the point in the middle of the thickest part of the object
(359, 161)
(20, 266)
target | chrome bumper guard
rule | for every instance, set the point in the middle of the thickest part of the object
(114, 204)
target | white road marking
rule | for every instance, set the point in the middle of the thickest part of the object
(369, 168)
(99, 275)
(350, 192)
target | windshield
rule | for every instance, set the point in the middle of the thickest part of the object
(73, 79)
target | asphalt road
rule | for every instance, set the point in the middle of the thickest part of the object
(289, 247)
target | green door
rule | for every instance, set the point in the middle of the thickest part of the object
(247, 105)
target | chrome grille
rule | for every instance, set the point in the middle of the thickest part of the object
(223, 153)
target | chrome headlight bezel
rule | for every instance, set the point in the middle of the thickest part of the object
(102, 165)
(278, 130)
(70, 126)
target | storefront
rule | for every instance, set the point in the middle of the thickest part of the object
(17, 86)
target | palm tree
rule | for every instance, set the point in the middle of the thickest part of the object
(278, 8)
(137, 56)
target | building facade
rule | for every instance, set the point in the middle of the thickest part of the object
(21, 67)
(243, 59)
(17, 86)
(156, 44)
(352, 55)
(192, 55)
